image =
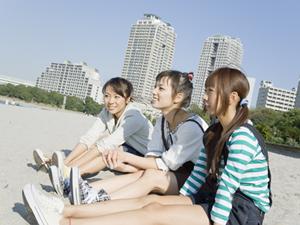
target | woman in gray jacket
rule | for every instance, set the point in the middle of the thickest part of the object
(120, 125)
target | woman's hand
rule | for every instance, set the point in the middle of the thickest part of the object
(113, 158)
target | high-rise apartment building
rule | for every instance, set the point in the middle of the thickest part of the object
(297, 102)
(217, 51)
(150, 50)
(70, 79)
(275, 98)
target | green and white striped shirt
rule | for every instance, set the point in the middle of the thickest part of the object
(246, 169)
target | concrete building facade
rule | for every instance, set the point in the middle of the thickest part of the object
(150, 50)
(275, 98)
(217, 51)
(70, 79)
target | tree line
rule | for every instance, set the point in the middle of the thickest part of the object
(37, 95)
(276, 127)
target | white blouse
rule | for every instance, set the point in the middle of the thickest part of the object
(186, 139)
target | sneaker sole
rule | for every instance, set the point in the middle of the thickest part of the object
(54, 178)
(57, 159)
(39, 159)
(74, 182)
(31, 205)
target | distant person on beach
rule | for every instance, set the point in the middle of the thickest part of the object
(230, 183)
(120, 126)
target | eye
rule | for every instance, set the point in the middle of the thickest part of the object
(106, 96)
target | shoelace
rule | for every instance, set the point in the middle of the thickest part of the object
(84, 189)
(102, 196)
(66, 186)
(94, 196)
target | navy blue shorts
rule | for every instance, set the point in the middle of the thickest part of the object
(243, 211)
(128, 148)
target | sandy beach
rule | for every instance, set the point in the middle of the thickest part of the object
(23, 129)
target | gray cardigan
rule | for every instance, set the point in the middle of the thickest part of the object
(132, 128)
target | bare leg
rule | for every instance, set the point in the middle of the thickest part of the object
(115, 183)
(74, 161)
(75, 153)
(95, 165)
(152, 180)
(90, 155)
(153, 214)
(115, 206)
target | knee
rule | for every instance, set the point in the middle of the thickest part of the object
(154, 206)
(137, 174)
(156, 178)
(148, 199)
(151, 174)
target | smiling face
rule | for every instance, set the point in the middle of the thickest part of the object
(162, 95)
(114, 102)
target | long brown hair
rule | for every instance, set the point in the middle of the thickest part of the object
(225, 81)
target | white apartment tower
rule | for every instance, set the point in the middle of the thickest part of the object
(69, 79)
(275, 98)
(217, 51)
(297, 102)
(150, 50)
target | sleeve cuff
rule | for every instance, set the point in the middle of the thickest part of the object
(161, 165)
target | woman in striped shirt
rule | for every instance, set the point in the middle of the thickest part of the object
(229, 183)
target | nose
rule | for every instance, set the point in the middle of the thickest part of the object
(110, 100)
(205, 97)
(154, 90)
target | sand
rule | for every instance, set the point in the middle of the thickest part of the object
(24, 128)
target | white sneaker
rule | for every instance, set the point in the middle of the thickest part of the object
(58, 159)
(40, 160)
(57, 203)
(42, 207)
(57, 180)
(74, 182)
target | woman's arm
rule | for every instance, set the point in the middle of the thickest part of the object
(129, 125)
(115, 158)
(197, 177)
(96, 131)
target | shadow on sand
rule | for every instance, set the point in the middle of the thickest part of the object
(21, 210)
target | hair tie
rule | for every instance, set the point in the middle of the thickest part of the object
(190, 76)
(244, 102)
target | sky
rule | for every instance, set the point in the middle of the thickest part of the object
(35, 33)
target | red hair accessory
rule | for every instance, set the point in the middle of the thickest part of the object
(190, 76)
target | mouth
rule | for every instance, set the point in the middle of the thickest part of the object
(154, 98)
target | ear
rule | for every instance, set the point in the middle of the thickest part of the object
(234, 98)
(178, 98)
(127, 100)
